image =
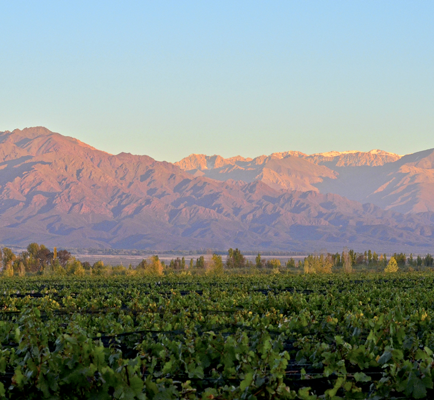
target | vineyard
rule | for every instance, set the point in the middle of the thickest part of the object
(259, 336)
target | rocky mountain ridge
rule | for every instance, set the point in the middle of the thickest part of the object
(61, 192)
(390, 181)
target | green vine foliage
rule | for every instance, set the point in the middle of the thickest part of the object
(275, 336)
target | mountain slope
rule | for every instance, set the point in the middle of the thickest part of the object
(406, 185)
(373, 158)
(390, 181)
(59, 191)
(289, 172)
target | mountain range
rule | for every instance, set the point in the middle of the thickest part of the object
(390, 181)
(61, 192)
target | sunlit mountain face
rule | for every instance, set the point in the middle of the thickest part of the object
(59, 191)
(390, 181)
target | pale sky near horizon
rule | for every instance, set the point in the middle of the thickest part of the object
(171, 78)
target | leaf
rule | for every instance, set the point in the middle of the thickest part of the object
(151, 386)
(339, 340)
(196, 373)
(338, 384)
(371, 336)
(136, 384)
(209, 394)
(245, 383)
(3, 364)
(421, 355)
(167, 367)
(427, 381)
(17, 334)
(361, 377)
(387, 355)
(303, 393)
(419, 389)
(18, 377)
(397, 354)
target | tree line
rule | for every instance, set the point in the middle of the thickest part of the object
(38, 259)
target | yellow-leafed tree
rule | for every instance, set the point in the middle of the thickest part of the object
(306, 266)
(153, 266)
(392, 266)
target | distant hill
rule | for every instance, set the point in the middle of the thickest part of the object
(61, 192)
(390, 181)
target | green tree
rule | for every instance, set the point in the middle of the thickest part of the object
(411, 260)
(400, 258)
(74, 267)
(86, 265)
(273, 263)
(119, 270)
(8, 257)
(33, 249)
(215, 267)
(258, 261)
(290, 263)
(200, 262)
(57, 268)
(141, 267)
(353, 257)
(176, 264)
(235, 259)
(98, 268)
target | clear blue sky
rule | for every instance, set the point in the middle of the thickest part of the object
(170, 78)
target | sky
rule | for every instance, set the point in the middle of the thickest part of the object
(171, 78)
